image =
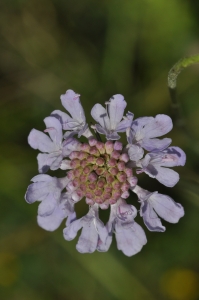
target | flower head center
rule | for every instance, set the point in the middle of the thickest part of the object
(99, 172)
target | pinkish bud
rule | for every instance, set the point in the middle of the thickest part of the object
(116, 185)
(91, 159)
(110, 178)
(121, 176)
(100, 161)
(124, 157)
(125, 186)
(101, 147)
(115, 154)
(76, 182)
(74, 155)
(92, 142)
(85, 147)
(109, 147)
(112, 162)
(98, 200)
(101, 183)
(78, 171)
(129, 172)
(89, 201)
(104, 205)
(100, 171)
(70, 174)
(94, 151)
(118, 146)
(132, 180)
(113, 170)
(87, 170)
(125, 195)
(98, 192)
(121, 165)
(83, 163)
(92, 177)
(75, 163)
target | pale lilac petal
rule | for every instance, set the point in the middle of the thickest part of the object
(70, 100)
(54, 129)
(130, 240)
(160, 125)
(116, 107)
(44, 185)
(100, 115)
(48, 160)
(88, 239)
(71, 230)
(47, 206)
(155, 144)
(135, 152)
(53, 221)
(167, 176)
(166, 207)
(112, 136)
(39, 140)
(70, 145)
(150, 218)
(104, 246)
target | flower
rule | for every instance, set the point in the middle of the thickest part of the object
(102, 173)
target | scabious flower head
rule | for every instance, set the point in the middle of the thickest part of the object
(101, 173)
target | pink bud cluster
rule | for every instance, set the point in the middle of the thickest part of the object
(99, 172)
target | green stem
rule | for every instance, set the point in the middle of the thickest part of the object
(172, 82)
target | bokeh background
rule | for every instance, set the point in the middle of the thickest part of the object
(97, 48)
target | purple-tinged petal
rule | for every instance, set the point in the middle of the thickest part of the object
(155, 144)
(166, 207)
(53, 221)
(116, 107)
(130, 240)
(46, 161)
(135, 152)
(150, 218)
(123, 125)
(160, 125)
(54, 129)
(70, 100)
(63, 118)
(39, 140)
(99, 114)
(173, 156)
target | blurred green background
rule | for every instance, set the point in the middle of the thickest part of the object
(97, 48)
